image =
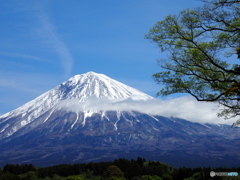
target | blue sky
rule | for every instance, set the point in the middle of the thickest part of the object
(44, 43)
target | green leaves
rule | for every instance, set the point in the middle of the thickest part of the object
(198, 42)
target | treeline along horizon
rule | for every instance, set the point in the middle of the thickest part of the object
(123, 169)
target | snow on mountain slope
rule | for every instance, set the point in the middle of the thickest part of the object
(93, 117)
(93, 84)
(82, 88)
(87, 92)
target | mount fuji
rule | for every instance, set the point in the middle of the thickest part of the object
(91, 117)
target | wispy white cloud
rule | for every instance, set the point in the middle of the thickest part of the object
(15, 83)
(24, 56)
(48, 35)
(183, 107)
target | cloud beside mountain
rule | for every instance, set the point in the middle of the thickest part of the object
(184, 107)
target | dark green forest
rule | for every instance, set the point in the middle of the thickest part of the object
(120, 169)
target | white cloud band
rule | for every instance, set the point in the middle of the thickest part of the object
(183, 107)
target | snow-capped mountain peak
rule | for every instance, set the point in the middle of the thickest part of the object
(87, 92)
(90, 84)
(81, 88)
(93, 117)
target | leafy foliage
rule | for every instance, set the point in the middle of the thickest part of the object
(114, 171)
(74, 177)
(201, 43)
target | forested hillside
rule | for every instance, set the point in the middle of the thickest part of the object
(120, 169)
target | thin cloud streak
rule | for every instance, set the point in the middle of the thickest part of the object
(28, 83)
(53, 41)
(22, 82)
(24, 56)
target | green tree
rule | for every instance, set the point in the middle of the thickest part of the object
(46, 178)
(167, 177)
(114, 171)
(197, 175)
(8, 176)
(203, 47)
(149, 177)
(57, 177)
(31, 175)
(74, 177)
